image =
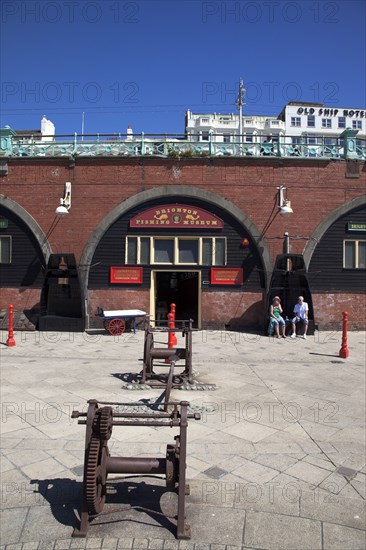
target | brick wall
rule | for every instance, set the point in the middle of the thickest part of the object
(117, 299)
(328, 308)
(315, 188)
(26, 307)
(236, 310)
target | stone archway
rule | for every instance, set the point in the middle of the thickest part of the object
(324, 225)
(38, 234)
(185, 191)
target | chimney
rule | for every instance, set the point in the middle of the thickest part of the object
(129, 132)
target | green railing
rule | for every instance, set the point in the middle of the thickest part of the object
(174, 146)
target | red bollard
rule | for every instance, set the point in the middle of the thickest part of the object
(10, 341)
(172, 339)
(343, 352)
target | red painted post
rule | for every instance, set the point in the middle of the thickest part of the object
(172, 339)
(343, 352)
(172, 310)
(10, 341)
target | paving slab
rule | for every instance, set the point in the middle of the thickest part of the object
(278, 419)
(12, 523)
(349, 512)
(338, 537)
(275, 531)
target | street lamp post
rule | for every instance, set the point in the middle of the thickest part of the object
(240, 103)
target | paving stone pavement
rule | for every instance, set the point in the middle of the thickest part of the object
(277, 461)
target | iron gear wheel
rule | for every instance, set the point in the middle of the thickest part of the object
(95, 476)
(105, 423)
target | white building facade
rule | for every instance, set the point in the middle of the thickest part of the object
(311, 123)
(224, 128)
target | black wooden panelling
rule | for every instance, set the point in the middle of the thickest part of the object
(27, 265)
(326, 267)
(111, 249)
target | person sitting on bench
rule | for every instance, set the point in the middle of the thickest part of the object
(301, 311)
(275, 312)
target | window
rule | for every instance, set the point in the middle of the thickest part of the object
(207, 250)
(5, 249)
(295, 140)
(163, 251)
(329, 142)
(176, 250)
(295, 121)
(354, 254)
(326, 122)
(187, 251)
(357, 124)
(138, 250)
(226, 138)
(144, 250)
(311, 140)
(341, 122)
(311, 121)
(248, 137)
(205, 136)
(218, 252)
(205, 120)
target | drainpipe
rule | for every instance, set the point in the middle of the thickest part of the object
(287, 249)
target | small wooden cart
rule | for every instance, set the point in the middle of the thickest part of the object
(116, 321)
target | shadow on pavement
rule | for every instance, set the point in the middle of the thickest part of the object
(126, 501)
(324, 354)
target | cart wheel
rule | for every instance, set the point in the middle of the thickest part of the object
(116, 327)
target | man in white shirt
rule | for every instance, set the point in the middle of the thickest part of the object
(301, 311)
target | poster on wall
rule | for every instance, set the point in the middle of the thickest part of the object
(125, 275)
(226, 275)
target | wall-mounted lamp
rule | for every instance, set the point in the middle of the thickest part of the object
(284, 204)
(245, 242)
(65, 203)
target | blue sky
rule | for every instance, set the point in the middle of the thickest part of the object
(145, 62)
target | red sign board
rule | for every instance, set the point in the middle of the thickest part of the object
(170, 216)
(226, 276)
(126, 275)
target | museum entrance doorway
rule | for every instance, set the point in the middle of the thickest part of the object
(181, 288)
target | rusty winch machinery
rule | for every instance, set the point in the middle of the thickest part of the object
(169, 355)
(100, 419)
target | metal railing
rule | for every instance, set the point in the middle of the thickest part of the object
(177, 146)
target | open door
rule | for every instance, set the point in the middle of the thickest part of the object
(181, 288)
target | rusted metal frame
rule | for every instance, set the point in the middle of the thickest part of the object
(84, 514)
(151, 353)
(169, 385)
(183, 529)
(135, 465)
(174, 465)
